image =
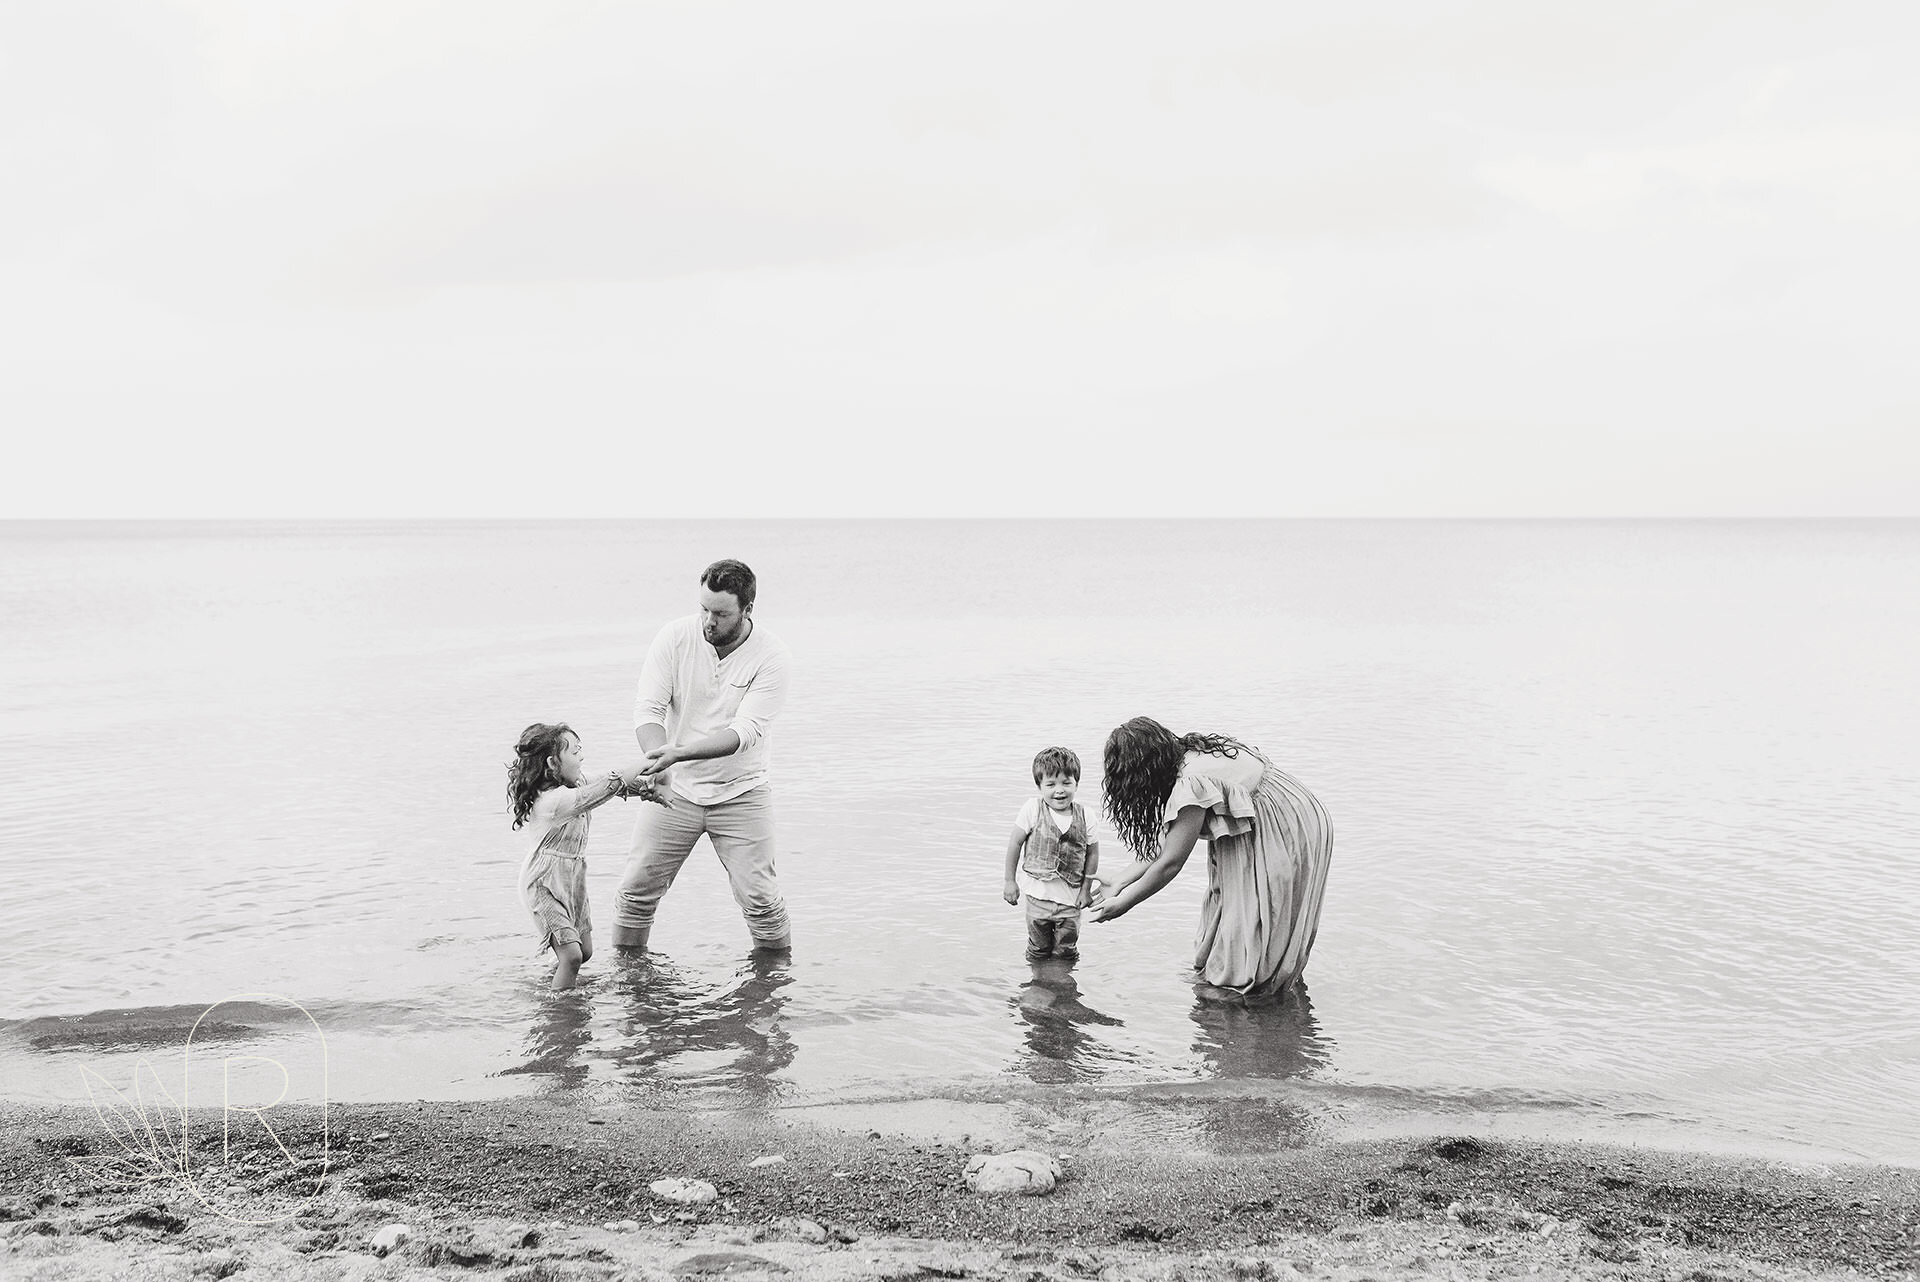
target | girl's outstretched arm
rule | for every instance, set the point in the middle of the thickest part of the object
(1150, 879)
(571, 802)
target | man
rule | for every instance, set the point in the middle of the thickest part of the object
(709, 689)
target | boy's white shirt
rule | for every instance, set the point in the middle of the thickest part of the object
(1051, 889)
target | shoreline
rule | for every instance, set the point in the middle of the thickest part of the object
(527, 1189)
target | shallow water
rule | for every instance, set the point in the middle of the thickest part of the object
(1625, 813)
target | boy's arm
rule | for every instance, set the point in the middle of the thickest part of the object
(1093, 866)
(1011, 892)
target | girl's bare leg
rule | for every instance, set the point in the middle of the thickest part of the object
(568, 969)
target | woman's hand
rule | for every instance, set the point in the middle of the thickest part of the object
(1109, 908)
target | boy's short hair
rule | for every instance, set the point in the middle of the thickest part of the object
(1056, 761)
(732, 576)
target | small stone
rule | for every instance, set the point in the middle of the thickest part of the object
(789, 1228)
(771, 1159)
(391, 1238)
(843, 1175)
(621, 1226)
(684, 1192)
(1022, 1172)
(722, 1263)
(382, 1135)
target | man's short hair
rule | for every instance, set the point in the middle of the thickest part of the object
(730, 576)
(1056, 761)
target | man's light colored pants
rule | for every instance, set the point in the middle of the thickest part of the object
(742, 835)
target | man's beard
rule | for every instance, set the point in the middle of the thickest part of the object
(728, 639)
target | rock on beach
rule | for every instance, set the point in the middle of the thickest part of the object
(1022, 1173)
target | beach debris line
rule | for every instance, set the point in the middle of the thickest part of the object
(684, 1192)
(1022, 1173)
(391, 1238)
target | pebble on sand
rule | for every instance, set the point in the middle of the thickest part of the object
(771, 1159)
(1023, 1172)
(391, 1238)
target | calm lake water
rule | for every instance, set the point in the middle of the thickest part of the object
(1627, 815)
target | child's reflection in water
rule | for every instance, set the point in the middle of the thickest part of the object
(560, 1031)
(1050, 1006)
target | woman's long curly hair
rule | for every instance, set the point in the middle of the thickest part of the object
(1142, 761)
(531, 771)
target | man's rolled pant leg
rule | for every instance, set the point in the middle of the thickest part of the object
(663, 836)
(742, 832)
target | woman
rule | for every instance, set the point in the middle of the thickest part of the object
(1269, 842)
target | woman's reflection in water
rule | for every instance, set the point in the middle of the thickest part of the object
(1236, 1038)
(679, 1030)
(1050, 1005)
(1239, 1040)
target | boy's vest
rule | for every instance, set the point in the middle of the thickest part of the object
(1052, 853)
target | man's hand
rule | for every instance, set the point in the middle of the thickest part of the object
(659, 759)
(1011, 892)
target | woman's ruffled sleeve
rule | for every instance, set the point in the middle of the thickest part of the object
(1229, 807)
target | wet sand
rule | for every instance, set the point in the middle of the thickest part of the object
(527, 1189)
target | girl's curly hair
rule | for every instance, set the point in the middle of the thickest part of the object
(531, 771)
(1141, 763)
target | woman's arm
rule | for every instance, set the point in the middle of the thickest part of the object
(1150, 879)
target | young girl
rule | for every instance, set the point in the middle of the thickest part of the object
(546, 782)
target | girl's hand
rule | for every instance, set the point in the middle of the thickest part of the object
(1011, 892)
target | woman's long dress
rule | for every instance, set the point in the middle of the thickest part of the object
(1268, 846)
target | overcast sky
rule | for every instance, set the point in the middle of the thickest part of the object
(699, 258)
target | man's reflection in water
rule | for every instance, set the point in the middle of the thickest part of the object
(677, 1029)
(1050, 1005)
(559, 1033)
(1276, 1038)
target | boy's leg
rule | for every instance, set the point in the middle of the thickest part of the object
(663, 836)
(742, 832)
(1066, 934)
(1039, 930)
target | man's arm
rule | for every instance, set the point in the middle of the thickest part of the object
(762, 702)
(653, 696)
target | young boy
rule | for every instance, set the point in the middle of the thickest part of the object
(1050, 859)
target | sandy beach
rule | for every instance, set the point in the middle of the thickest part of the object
(556, 1188)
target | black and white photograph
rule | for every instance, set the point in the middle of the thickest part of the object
(1034, 642)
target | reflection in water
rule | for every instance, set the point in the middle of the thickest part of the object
(1276, 1038)
(1050, 1005)
(1237, 1039)
(558, 1036)
(676, 1029)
